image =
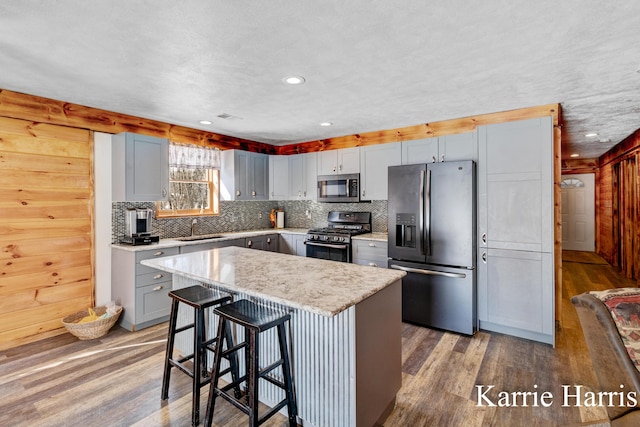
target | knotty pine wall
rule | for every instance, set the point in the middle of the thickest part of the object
(618, 207)
(18, 324)
(46, 206)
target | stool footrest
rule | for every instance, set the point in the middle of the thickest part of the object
(263, 372)
(184, 328)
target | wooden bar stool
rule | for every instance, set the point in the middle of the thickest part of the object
(200, 298)
(255, 319)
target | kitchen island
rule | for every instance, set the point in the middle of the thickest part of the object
(345, 329)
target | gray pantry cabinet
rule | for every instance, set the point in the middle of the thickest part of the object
(244, 175)
(516, 229)
(140, 168)
(341, 161)
(374, 164)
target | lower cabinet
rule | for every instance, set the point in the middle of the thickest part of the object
(268, 242)
(369, 252)
(140, 290)
(513, 293)
(292, 244)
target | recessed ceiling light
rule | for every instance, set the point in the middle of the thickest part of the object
(205, 122)
(575, 155)
(591, 134)
(294, 80)
(326, 124)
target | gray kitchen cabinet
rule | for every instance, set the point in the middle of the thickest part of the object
(374, 163)
(279, 177)
(373, 253)
(515, 229)
(462, 146)
(344, 160)
(267, 242)
(244, 175)
(141, 291)
(303, 176)
(140, 168)
(292, 244)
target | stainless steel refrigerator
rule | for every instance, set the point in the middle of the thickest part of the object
(432, 236)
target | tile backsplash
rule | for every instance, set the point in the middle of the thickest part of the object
(248, 215)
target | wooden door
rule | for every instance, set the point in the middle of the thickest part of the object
(46, 236)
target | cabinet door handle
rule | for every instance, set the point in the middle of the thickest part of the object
(442, 158)
(238, 193)
(334, 168)
(484, 238)
(253, 193)
(341, 167)
(158, 253)
(362, 193)
(434, 159)
(158, 276)
(269, 240)
(158, 288)
(373, 264)
(249, 243)
(304, 194)
(373, 245)
(164, 192)
(484, 257)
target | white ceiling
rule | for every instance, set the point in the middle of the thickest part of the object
(369, 65)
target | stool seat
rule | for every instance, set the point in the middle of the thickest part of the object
(250, 315)
(199, 298)
(255, 319)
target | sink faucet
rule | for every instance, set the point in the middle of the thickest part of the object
(194, 221)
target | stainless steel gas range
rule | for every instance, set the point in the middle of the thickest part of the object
(334, 241)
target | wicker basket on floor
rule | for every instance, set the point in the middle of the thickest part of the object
(90, 330)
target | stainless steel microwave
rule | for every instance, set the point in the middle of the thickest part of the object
(339, 188)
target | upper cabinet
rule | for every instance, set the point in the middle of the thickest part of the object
(140, 168)
(303, 176)
(345, 160)
(462, 146)
(279, 177)
(374, 163)
(244, 175)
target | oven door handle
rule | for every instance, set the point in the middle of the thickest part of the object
(428, 272)
(327, 245)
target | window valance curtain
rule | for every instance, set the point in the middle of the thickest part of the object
(193, 157)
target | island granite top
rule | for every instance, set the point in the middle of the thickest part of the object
(318, 286)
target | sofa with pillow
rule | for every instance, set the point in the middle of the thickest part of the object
(610, 321)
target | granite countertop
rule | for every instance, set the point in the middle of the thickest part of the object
(318, 286)
(174, 242)
(381, 237)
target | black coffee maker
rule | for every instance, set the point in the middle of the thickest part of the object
(137, 223)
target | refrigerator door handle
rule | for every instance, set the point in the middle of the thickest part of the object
(427, 215)
(421, 218)
(428, 272)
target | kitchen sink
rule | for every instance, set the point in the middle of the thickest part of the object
(201, 237)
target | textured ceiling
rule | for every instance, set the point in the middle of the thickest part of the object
(369, 65)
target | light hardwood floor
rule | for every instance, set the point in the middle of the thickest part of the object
(115, 380)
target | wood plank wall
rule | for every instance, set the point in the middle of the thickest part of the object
(39, 111)
(46, 206)
(618, 207)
